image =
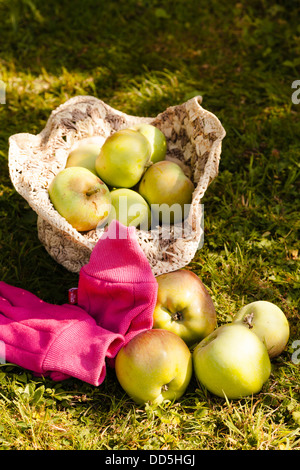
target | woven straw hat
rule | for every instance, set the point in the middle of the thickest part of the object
(194, 137)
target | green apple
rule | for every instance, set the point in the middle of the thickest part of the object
(269, 323)
(156, 139)
(154, 366)
(84, 155)
(129, 208)
(184, 306)
(232, 362)
(123, 158)
(167, 190)
(80, 197)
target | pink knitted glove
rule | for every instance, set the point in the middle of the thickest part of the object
(59, 341)
(117, 294)
(117, 287)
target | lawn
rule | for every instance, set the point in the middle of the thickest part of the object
(140, 57)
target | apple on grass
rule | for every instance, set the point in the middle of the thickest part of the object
(84, 155)
(232, 362)
(155, 366)
(156, 139)
(80, 197)
(184, 306)
(129, 208)
(167, 190)
(123, 158)
(268, 322)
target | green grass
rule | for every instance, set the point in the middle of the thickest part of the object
(140, 57)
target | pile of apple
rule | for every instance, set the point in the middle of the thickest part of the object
(232, 360)
(127, 179)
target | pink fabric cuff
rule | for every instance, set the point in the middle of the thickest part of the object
(117, 286)
(81, 350)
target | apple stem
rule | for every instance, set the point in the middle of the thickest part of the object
(165, 388)
(248, 319)
(93, 190)
(177, 316)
